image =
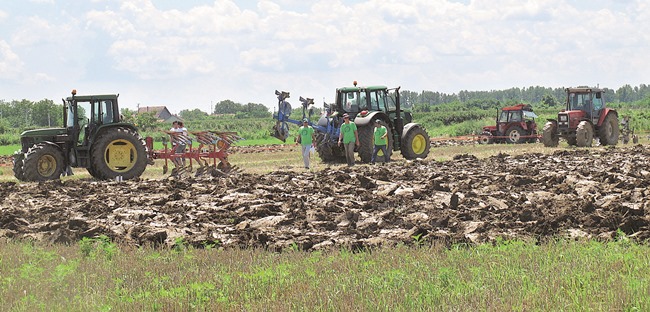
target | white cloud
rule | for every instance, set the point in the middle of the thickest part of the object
(244, 50)
(10, 63)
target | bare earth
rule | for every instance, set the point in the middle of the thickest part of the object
(571, 193)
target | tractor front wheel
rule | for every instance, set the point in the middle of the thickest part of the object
(584, 134)
(416, 144)
(609, 131)
(43, 162)
(118, 152)
(550, 137)
(485, 138)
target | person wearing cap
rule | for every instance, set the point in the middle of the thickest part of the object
(380, 138)
(349, 137)
(306, 140)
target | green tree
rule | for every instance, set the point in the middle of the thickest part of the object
(227, 107)
(193, 115)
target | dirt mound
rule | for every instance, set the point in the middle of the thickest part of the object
(572, 193)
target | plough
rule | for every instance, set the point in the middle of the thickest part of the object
(212, 146)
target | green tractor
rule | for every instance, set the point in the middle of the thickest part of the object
(364, 105)
(93, 137)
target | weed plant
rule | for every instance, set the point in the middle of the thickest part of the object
(97, 275)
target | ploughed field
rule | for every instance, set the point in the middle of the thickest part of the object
(573, 193)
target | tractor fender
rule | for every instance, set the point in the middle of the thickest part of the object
(362, 121)
(551, 120)
(606, 113)
(408, 128)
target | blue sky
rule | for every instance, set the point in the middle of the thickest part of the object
(193, 53)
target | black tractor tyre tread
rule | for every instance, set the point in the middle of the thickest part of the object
(365, 142)
(30, 163)
(584, 134)
(324, 149)
(609, 137)
(18, 166)
(550, 137)
(407, 144)
(101, 170)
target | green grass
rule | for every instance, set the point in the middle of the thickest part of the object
(96, 275)
(9, 149)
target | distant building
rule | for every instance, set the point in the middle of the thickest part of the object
(160, 112)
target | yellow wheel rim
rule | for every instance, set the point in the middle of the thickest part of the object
(419, 144)
(120, 155)
(46, 165)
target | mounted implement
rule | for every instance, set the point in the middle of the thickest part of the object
(93, 137)
(211, 154)
(514, 124)
(585, 117)
(364, 105)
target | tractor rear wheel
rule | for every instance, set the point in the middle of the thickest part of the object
(550, 138)
(365, 142)
(514, 135)
(416, 144)
(18, 166)
(608, 132)
(584, 134)
(118, 152)
(43, 162)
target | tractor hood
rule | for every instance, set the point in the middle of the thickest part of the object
(44, 132)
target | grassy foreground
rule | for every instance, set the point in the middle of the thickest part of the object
(96, 275)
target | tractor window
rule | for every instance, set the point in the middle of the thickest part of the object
(84, 116)
(350, 102)
(515, 116)
(578, 101)
(390, 100)
(503, 117)
(107, 111)
(377, 101)
(70, 121)
(598, 102)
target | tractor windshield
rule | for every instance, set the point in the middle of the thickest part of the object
(579, 101)
(351, 101)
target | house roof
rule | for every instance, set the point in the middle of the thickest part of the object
(156, 110)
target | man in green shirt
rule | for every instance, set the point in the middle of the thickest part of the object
(306, 133)
(349, 136)
(380, 137)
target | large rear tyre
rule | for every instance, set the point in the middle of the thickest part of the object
(416, 144)
(550, 138)
(514, 135)
(118, 152)
(584, 134)
(365, 142)
(609, 131)
(43, 162)
(18, 166)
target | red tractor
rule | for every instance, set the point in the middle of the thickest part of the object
(515, 124)
(584, 118)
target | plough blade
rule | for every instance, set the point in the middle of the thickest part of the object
(211, 154)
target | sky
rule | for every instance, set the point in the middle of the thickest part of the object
(188, 54)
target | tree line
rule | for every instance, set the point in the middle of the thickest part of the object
(16, 116)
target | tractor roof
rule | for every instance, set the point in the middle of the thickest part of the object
(524, 107)
(368, 88)
(584, 90)
(90, 97)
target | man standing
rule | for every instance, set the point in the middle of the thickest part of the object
(306, 133)
(380, 138)
(349, 136)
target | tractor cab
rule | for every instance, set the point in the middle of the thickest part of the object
(585, 103)
(85, 115)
